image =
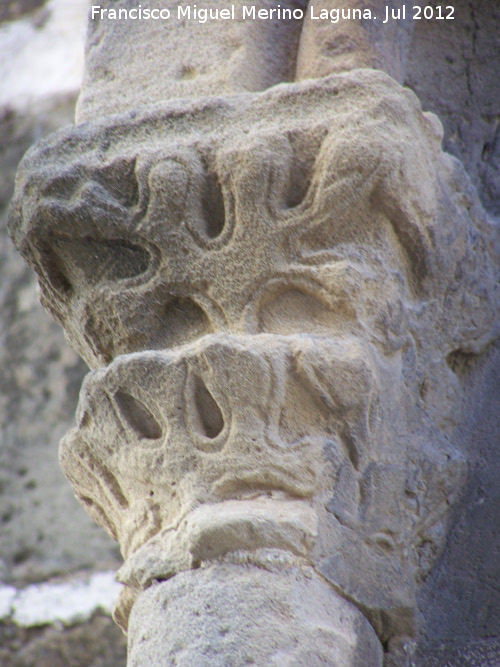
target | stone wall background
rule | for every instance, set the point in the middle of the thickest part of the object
(44, 534)
(454, 71)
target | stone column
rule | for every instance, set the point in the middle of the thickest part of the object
(340, 36)
(268, 283)
(204, 48)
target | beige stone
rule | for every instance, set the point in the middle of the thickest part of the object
(286, 615)
(271, 289)
(339, 36)
(131, 63)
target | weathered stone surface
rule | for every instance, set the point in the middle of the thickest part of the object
(303, 386)
(349, 388)
(286, 615)
(348, 38)
(460, 598)
(453, 68)
(131, 63)
(484, 653)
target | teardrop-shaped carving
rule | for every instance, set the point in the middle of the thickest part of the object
(138, 416)
(210, 421)
(212, 203)
(55, 271)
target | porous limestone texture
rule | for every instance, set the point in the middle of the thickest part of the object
(286, 615)
(453, 68)
(289, 300)
(485, 653)
(348, 39)
(131, 63)
(274, 291)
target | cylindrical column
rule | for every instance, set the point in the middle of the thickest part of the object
(147, 52)
(341, 35)
(241, 614)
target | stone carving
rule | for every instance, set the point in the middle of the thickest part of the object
(132, 63)
(351, 38)
(272, 291)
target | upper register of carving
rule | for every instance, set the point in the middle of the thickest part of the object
(268, 287)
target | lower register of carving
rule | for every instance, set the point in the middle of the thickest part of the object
(271, 289)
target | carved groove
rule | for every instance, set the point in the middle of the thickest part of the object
(91, 259)
(186, 321)
(300, 180)
(211, 421)
(99, 515)
(120, 180)
(55, 271)
(114, 259)
(292, 310)
(460, 362)
(103, 475)
(301, 170)
(212, 203)
(351, 448)
(138, 416)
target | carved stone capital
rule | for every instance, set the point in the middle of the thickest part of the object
(270, 289)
